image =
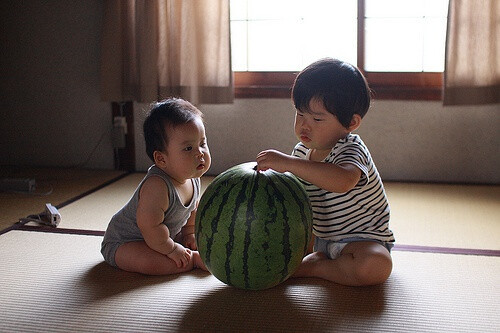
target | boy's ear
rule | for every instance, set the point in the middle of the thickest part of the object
(159, 157)
(355, 122)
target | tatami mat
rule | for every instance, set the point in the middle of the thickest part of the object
(58, 283)
(445, 215)
(94, 211)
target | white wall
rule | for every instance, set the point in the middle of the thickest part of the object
(412, 141)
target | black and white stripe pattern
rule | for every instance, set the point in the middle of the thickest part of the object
(363, 211)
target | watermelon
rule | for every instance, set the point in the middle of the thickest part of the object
(253, 227)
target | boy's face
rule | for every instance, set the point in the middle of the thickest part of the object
(317, 128)
(187, 154)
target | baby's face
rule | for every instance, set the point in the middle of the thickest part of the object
(187, 153)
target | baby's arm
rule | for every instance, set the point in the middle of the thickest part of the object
(153, 202)
(188, 236)
(331, 177)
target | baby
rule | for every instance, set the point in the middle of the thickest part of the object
(154, 232)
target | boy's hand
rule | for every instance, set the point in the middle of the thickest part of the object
(189, 241)
(272, 159)
(180, 255)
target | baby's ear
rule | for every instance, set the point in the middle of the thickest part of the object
(355, 122)
(160, 158)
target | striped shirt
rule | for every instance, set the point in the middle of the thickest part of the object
(362, 212)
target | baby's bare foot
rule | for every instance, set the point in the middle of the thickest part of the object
(198, 263)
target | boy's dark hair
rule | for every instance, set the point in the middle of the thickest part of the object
(339, 85)
(173, 112)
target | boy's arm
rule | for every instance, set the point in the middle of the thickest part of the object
(153, 202)
(330, 177)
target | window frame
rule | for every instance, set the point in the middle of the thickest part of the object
(385, 85)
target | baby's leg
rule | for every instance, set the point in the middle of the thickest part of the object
(359, 264)
(140, 258)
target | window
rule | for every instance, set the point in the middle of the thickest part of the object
(398, 44)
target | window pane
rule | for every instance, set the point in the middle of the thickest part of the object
(329, 30)
(287, 35)
(394, 8)
(393, 45)
(436, 8)
(337, 45)
(273, 9)
(405, 35)
(239, 46)
(238, 10)
(272, 45)
(434, 44)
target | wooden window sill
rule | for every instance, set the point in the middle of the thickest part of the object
(395, 86)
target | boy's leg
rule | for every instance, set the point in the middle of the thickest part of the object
(140, 258)
(359, 264)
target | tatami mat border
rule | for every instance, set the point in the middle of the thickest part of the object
(397, 247)
(446, 250)
(59, 230)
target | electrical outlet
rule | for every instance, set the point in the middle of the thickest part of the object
(120, 121)
(119, 132)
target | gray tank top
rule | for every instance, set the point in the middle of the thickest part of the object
(123, 226)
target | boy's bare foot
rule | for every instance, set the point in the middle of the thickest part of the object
(306, 268)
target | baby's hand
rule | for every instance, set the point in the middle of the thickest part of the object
(180, 255)
(272, 159)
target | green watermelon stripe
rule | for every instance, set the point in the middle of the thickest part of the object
(215, 220)
(302, 203)
(287, 253)
(230, 243)
(273, 220)
(273, 216)
(269, 226)
(250, 217)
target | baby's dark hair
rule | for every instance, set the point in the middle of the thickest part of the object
(171, 111)
(341, 87)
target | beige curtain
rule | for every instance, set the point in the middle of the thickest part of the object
(153, 49)
(472, 70)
